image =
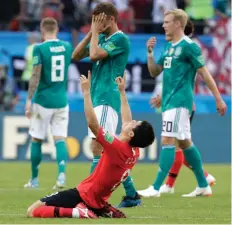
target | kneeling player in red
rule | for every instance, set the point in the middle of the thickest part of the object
(89, 198)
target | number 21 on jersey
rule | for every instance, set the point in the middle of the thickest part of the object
(167, 62)
(58, 68)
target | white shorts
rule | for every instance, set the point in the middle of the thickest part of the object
(107, 118)
(43, 117)
(176, 124)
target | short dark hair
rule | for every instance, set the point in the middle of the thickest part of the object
(143, 135)
(107, 8)
(49, 24)
(189, 29)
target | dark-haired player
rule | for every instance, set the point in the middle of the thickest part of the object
(89, 198)
(180, 62)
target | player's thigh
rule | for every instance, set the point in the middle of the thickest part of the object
(39, 121)
(107, 118)
(176, 124)
(59, 122)
(67, 199)
(185, 144)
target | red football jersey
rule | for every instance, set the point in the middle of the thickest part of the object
(114, 167)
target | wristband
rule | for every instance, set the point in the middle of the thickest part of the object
(150, 54)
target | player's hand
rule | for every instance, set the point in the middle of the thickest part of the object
(156, 101)
(121, 82)
(98, 23)
(85, 83)
(151, 44)
(221, 107)
(28, 109)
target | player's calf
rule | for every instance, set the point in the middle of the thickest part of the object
(40, 210)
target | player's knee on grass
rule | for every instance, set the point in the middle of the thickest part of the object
(96, 148)
(34, 206)
(184, 144)
(168, 141)
(37, 140)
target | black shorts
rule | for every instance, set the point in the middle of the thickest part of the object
(191, 117)
(66, 199)
(70, 198)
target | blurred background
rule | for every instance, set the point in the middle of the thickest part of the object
(140, 19)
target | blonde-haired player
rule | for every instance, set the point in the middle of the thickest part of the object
(180, 62)
(51, 60)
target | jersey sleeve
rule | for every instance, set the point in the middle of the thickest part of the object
(116, 46)
(195, 56)
(37, 57)
(107, 140)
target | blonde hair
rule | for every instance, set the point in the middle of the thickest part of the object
(179, 15)
(49, 24)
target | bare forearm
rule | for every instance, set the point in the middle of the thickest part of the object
(93, 53)
(154, 69)
(212, 86)
(205, 74)
(125, 108)
(89, 112)
(80, 50)
(34, 81)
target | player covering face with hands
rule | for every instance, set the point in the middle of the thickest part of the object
(89, 198)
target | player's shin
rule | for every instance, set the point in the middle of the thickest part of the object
(35, 158)
(166, 160)
(174, 171)
(129, 187)
(193, 158)
(61, 157)
(81, 211)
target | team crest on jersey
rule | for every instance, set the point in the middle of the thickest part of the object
(108, 137)
(110, 46)
(171, 51)
(178, 51)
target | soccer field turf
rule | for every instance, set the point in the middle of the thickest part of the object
(167, 209)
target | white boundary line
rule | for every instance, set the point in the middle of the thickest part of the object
(23, 189)
(132, 217)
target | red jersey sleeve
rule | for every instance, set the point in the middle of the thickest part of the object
(107, 140)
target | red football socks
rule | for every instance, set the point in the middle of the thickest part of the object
(174, 171)
(44, 212)
(66, 212)
(51, 212)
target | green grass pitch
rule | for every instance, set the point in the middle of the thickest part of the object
(168, 209)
